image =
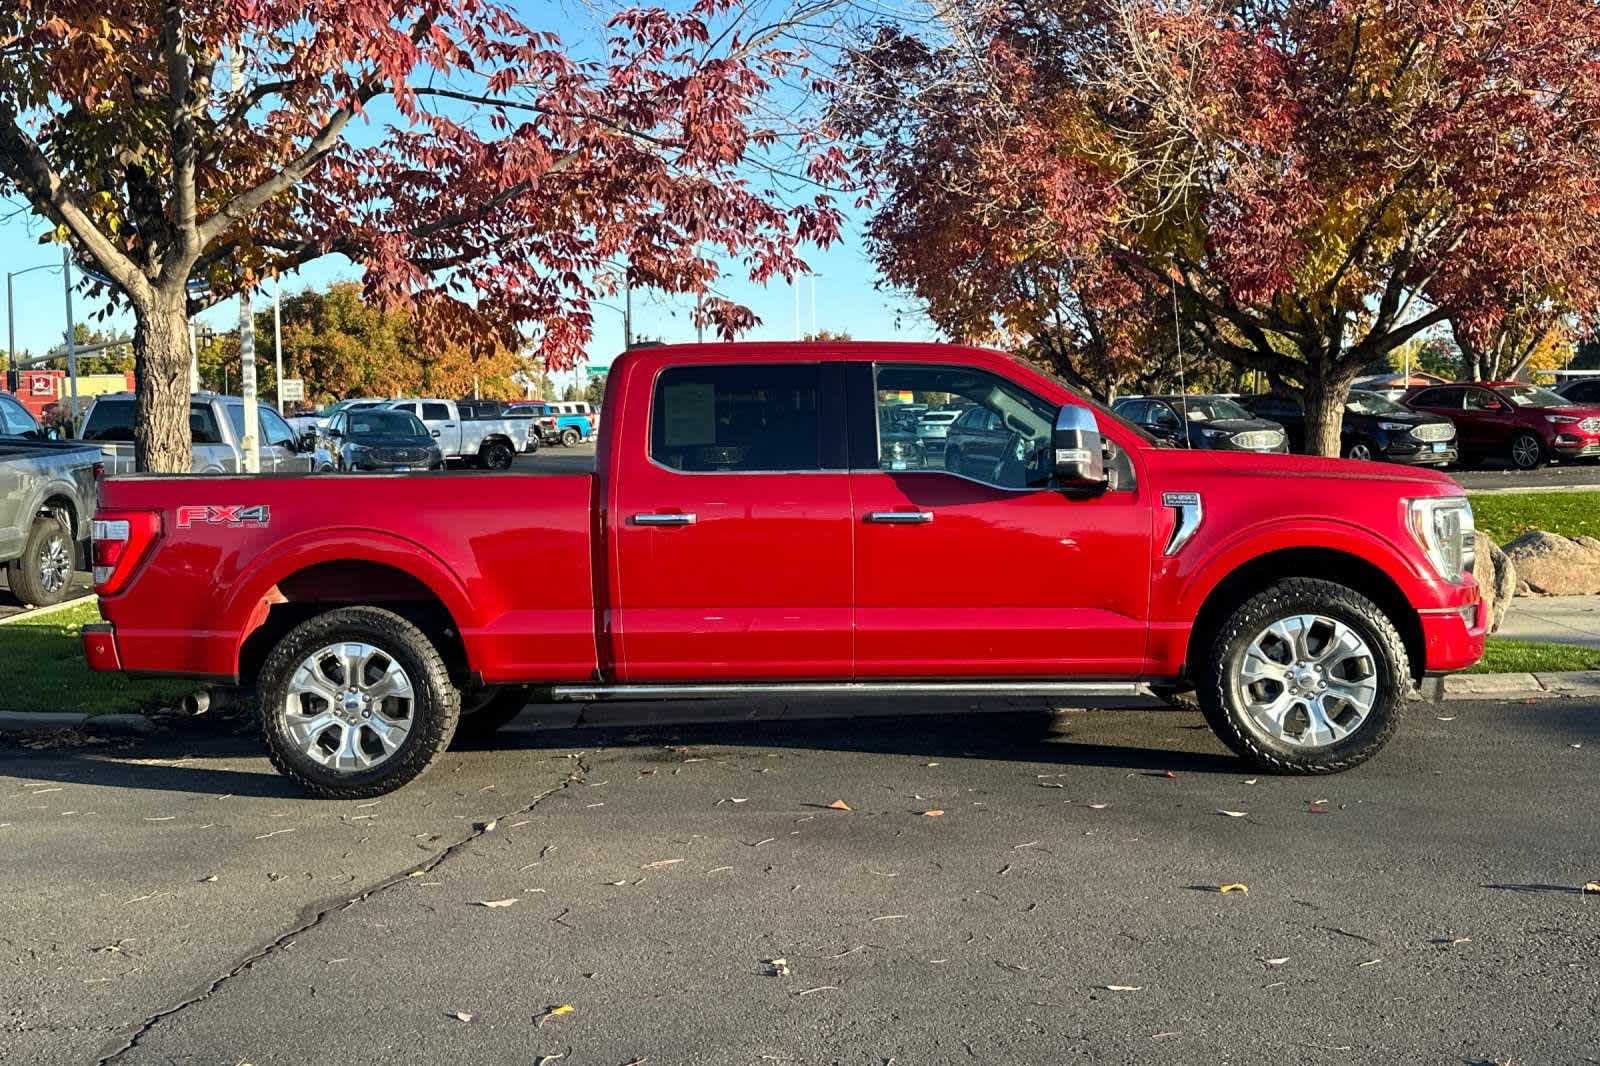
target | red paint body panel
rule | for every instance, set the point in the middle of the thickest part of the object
(508, 557)
(549, 578)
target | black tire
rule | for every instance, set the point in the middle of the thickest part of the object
(1526, 452)
(485, 711)
(35, 576)
(435, 703)
(1293, 596)
(570, 437)
(496, 455)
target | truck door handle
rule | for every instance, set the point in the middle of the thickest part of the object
(663, 519)
(435, 433)
(900, 518)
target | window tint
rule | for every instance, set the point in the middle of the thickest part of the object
(111, 420)
(731, 418)
(435, 412)
(1479, 400)
(1449, 398)
(15, 418)
(1004, 440)
(1162, 415)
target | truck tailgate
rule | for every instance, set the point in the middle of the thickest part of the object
(508, 557)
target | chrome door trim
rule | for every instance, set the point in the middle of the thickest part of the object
(664, 519)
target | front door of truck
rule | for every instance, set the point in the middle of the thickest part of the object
(730, 520)
(987, 570)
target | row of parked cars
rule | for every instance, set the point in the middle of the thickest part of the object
(427, 433)
(1435, 425)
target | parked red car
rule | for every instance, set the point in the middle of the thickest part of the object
(1525, 424)
(746, 531)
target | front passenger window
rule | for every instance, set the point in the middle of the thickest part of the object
(1003, 439)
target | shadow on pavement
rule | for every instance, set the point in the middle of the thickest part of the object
(190, 764)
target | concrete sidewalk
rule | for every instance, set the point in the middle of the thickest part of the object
(1554, 619)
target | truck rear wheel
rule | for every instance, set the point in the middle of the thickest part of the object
(570, 437)
(43, 573)
(355, 703)
(1305, 677)
(496, 455)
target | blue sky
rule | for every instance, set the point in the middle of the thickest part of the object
(846, 298)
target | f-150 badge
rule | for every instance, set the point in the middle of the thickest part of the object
(194, 514)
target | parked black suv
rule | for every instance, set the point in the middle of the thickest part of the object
(1580, 390)
(1375, 427)
(1214, 423)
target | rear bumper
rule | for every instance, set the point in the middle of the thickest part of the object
(100, 647)
(1453, 637)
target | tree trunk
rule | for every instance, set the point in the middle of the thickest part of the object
(162, 444)
(1325, 393)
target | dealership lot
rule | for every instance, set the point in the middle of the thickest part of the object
(177, 901)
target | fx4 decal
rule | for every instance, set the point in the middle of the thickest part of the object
(192, 514)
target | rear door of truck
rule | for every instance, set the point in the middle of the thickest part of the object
(729, 520)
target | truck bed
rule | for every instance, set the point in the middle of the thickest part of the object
(508, 556)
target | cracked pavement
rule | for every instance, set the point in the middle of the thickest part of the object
(173, 901)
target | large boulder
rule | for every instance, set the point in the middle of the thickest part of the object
(1497, 580)
(1549, 564)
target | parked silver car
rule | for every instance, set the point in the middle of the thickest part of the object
(216, 424)
(47, 498)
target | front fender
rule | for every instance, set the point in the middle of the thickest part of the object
(1185, 583)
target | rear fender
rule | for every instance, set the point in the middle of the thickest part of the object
(257, 589)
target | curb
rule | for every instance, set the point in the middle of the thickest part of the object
(1556, 685)
(1528, 490)
(113, 725)
(42, 612)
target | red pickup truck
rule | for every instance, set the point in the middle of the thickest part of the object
(761, 521)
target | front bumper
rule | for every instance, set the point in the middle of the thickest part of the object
(1452, 637)
(1414, 453)
(100, 647)
(1575, 446)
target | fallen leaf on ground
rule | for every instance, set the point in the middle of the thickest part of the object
(1121, 988)
(208, 880)
(1591, 888)
(659, 863)
(546, 1060)
(1098, 806)
(463, 1016)
(1169, 775)
(1231, 814)
(616, 884)
(932, 814)
(1251, 780)
(840, 805)
(1446, 717)
(819, 988)
(496, 902)
(1233, 888)
(486, 827)
(1275, 962)
(1369, 962)
(777, 967)
(552, 1012)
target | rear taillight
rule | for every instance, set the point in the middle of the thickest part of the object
(119, 541)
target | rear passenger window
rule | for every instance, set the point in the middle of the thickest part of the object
(111, 420)
(737, 418)
(435, 412)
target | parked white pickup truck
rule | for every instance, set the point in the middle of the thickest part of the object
(216, 424)
(492, 443)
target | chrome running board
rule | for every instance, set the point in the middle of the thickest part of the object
(850, 688)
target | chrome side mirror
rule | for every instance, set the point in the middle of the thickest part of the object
(1078, 451)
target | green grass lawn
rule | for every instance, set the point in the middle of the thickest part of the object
(1526, 656)
(1504, 515)
(45, 671)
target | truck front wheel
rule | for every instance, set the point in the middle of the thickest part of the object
(355, 703)
(570, 437)
(1305, 677)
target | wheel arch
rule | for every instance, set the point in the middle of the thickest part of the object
(309, 579)
(1329, 564)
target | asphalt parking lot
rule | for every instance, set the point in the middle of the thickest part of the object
(172, 901)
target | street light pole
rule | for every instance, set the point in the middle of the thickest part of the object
(72, 344)
(277, 340)
(11, 321)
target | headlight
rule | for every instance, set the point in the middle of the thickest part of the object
(1442, 526)
(1395, 427)
(1562, 420)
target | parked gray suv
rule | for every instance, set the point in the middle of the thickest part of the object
(47, 497)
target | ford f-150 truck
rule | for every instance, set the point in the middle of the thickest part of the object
(744, 532)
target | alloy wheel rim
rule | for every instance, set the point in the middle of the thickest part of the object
(55, 564)
(1360, 451)
(349, 708)
(1307, 681)
(1525, 451)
